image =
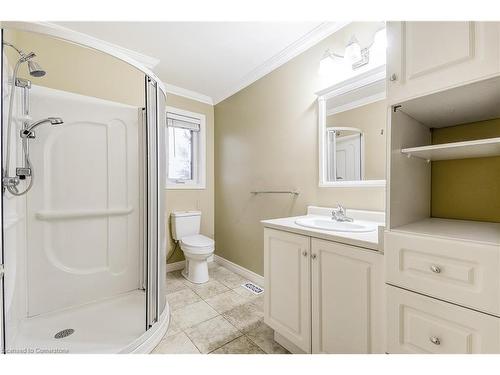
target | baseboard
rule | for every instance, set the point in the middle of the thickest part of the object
(287, 344)
(180, 265)
(247, 274)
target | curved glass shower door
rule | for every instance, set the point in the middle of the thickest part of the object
(82, 227)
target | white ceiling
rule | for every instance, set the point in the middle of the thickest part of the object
(215, 59)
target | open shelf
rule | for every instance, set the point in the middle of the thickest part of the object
(457, 150)
(464, 230)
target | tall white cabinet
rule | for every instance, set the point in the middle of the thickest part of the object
(442, 273)
(323, 296)
(424, 57)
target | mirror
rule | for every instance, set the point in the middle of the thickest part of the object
(352, 128)
(344, 154)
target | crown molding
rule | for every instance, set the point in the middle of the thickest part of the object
(148, 61)
(193, 95)
(313, 37)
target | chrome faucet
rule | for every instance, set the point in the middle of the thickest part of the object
(339, 214)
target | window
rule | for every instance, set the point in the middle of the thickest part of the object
(185, 149)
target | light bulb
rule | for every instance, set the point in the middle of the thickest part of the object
(353, 50)
(327, 64)
(379, 47)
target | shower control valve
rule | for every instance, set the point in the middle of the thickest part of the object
(23, 172)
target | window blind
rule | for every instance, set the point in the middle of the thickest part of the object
(178, 121)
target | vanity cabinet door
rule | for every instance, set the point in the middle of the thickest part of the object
(423, 57)
(347, 299)
(287, 301)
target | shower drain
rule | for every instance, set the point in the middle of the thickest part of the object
(64, 333)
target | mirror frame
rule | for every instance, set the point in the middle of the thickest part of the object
(352, 85)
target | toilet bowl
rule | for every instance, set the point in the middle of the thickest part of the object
(197, 248)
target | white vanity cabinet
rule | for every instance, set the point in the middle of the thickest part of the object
(347, 299)
(287, 275)
(323, 296)
(424, 57)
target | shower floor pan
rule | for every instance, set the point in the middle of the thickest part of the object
(102, 327)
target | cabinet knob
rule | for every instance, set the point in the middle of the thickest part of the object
(435, 269)
(435, 340)
(304, 253)
(393, 77)
(313, 256)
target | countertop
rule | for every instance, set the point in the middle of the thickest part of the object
(367, 240)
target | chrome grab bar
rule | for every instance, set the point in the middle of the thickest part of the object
(293, 192)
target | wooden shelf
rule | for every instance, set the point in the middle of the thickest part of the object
(457, 150)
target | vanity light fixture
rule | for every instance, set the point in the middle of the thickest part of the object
(354, 55)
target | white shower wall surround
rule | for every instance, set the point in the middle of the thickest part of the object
(84, 249)
(83, 210)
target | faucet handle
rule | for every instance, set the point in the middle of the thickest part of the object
(340, 209)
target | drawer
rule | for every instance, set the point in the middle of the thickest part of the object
(420, 324)
(466, 273)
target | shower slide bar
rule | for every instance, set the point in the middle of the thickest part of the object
(293, 192)
(58, 215)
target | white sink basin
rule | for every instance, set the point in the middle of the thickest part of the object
(337, 226)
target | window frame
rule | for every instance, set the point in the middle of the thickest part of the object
(199, 156)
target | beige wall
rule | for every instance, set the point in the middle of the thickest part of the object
(78, 69)
(466, 189)
(266, 138)
(202, 200)
(371, 120)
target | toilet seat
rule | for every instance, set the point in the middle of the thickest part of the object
(197, 244)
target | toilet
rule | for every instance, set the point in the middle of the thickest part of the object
(197, 248)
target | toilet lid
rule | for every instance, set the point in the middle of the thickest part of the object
(197, 240)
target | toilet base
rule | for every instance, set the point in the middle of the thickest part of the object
(196, 271)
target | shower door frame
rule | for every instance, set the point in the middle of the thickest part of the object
(152, 199)
(2, 287)
(154, 333)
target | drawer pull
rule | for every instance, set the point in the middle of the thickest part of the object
(435, 269)
(313, 256)
(304, 253)
(435, 340)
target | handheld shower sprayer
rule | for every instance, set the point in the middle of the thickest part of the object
(27, 132)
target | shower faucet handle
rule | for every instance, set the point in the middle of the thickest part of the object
(24, 133)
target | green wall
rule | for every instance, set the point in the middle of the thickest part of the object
(467, 189)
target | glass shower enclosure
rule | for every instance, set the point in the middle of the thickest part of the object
(83, 224)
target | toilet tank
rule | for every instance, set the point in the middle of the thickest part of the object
(185, 223)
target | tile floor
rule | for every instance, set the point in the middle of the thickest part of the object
(218, 317)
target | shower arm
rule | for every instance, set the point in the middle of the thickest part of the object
(19, 51)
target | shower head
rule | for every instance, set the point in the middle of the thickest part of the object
(55, 120)
(28, 131)
(35, 69)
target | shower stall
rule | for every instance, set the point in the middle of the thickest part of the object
(83, 217)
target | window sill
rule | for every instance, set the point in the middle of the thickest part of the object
(362, 183)
(185, 187)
